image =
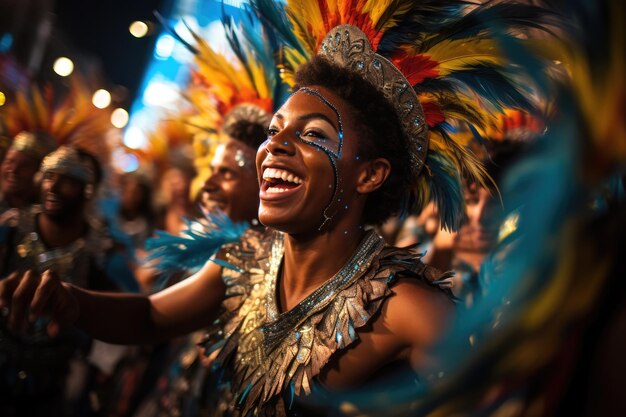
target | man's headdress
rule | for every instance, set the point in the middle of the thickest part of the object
(230, 92)
(39, 122)
(67, 161)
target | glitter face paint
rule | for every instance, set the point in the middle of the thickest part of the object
(331, 148)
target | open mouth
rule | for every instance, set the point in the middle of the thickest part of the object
(53, 202)
(276, 180)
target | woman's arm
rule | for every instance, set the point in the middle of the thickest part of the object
(113, 317)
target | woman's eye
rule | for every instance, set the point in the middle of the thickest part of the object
(271, 131)
(314, 134)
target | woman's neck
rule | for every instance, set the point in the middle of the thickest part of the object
(311, 261)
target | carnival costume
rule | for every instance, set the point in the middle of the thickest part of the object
(550, 324)
(417, 57)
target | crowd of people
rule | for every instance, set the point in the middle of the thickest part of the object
(392, 208)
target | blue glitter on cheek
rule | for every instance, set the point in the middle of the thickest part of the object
(346, 207)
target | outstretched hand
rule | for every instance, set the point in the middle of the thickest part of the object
(25, 297)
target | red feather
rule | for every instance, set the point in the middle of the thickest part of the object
(416, 68)
(432, 113)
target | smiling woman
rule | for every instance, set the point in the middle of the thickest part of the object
(317, 302)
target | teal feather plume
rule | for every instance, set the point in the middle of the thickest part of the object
(197, 244)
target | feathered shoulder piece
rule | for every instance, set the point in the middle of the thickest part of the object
(440, 64)
(40, 120)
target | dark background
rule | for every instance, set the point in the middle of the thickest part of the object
(94, 34)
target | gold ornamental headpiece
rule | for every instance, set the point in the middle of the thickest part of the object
(347, 46)
(67, 161)
(36, 145)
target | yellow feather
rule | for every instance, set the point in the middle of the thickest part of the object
(455, 55)
(292, 60)
(307, 24)
(379, 12)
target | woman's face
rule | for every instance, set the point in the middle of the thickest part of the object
(295, 165)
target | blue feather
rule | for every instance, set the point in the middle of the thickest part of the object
(492, 84)
(446, 190)
(272, 14)
(197, 244)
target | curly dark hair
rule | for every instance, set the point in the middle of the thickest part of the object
(378, 126)
(248, 124)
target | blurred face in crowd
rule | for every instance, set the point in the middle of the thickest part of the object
(484, 212)
(18, 172)
(176, 186)
(133, 194)
(232, 186)
(62, 197)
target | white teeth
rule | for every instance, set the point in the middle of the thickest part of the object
(275, 190)
(281, 174)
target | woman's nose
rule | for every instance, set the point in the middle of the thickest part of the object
(282, 143)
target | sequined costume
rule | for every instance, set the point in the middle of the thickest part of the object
(267, 355)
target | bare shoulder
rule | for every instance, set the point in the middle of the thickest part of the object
(417, 312)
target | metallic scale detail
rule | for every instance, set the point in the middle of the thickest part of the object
(358, 263)
(267, 353)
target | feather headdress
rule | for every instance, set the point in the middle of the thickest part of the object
(222, 90)
(448, 51)
(72, 120)
(219, 84)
